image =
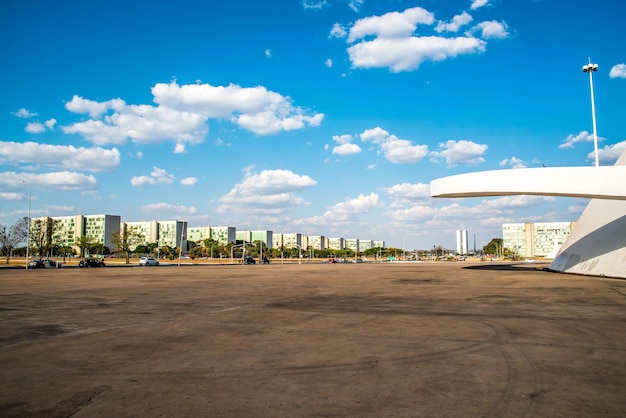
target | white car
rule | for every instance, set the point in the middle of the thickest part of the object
(148, 261)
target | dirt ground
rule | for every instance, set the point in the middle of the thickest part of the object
(311, 340)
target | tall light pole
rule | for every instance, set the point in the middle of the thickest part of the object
(29, 226)
(590, 68)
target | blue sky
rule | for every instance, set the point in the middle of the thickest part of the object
(319, 117)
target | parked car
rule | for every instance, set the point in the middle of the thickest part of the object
(44, 264)
(358, 260)
(332, 260)
(91, 262)
(249, 260)
(148, 261)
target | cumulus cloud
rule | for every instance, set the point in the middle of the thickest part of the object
(460, 152)
(343, 212)
(267, 192)
(513, 162)
(54, 181)
(492, 29)
(183, 111)
(572, 140)
(394, 149)
(477, 4)
(157, 176)
(346, 149)
(65, 157)
(24, 113)
(168, 210)
(609, 154)
(189, 181)
(404, 193)
(35, 128)
(328, 63)
(390, 41)
(314, 4)
(618, 71)
(455, 24)
(338, 31)
(180, 149)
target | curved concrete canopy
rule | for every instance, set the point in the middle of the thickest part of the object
(597, 245)
(586, 182)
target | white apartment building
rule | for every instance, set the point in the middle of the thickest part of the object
(379, 244)
(266, 237)
(317, 242)
(67, 230)
(221, 234)
(538, 239)
(287, 240)
(336, 244)
(352, 244)
(366, 244)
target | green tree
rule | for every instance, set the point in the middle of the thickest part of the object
(10, 237)
(84, 243)
(494, 246)
(127, 238)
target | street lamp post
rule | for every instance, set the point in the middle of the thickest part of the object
(29, 225)
(590, 68)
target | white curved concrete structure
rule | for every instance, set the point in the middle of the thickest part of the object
(597, 246)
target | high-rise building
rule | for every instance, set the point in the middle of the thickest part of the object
(538, 239)
(461, 242)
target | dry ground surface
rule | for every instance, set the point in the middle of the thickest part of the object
(315, 340)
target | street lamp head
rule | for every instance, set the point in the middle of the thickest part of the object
(587, 68)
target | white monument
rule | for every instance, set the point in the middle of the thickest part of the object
(597, 245)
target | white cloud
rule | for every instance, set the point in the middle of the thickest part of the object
(460, 152)
(157, 176)
(392, 25)
(182, 113)
(395, 46)
(408, 53)
(267, 192)
(338, 31)
(618, 71)
(220, 143)
(346, 149)
(455, 24)
(93, 108)
(189, 181)
(609, 154)
(492, 29)
(355, 5)
(180, 149)
(268, 53)
(168, 210)
(12, 196)
(476, 4)
(60, 156)
(328, 63)
(395, 150)
(54, 181)
(582, 136)
(513, 162)
(314, 4)
(407, 193)
(342, 139)
(50, 123)
(344, 212)
(255, 108)
(35, 128)
(24, 113)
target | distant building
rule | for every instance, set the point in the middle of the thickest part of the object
(461, 242)
(221, 234)
(538, 239)
(317, 242)
(67, 230)
(352, 244)
(365, 244)
(336, 244)
(291, 240)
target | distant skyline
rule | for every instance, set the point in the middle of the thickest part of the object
(315, 117)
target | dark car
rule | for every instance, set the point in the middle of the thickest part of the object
(266, 260)
(91, 262)
(249, 260)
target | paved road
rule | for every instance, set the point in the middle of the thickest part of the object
(333, 340)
